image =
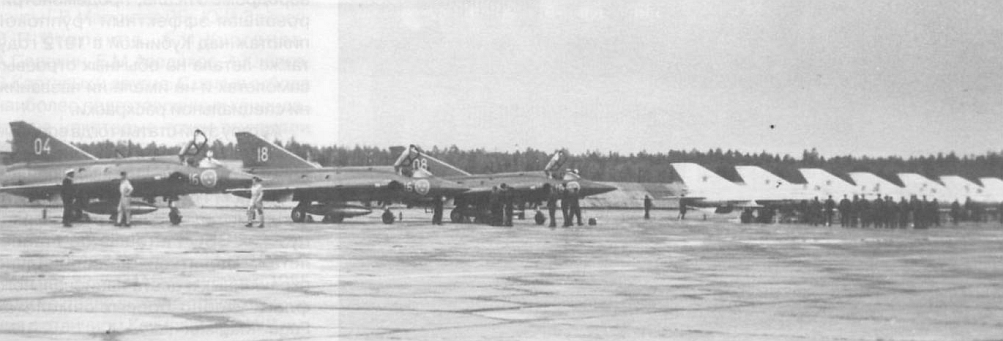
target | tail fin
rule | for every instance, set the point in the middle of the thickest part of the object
(414, 161)
(822, 181)
(992, 185)
(757, 177)
(258, 153)
(961, 187)
(33, 145)
(921, 186)
(872, 184)
(699, 179)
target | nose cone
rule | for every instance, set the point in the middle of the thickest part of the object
(594, 188)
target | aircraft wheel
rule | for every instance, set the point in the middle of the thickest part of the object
(388, 217)
(540, 218)
(456, 216)
(298, 215)
(113, 217)
(175, 216)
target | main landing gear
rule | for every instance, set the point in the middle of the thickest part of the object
(174, 213)
(388, 217)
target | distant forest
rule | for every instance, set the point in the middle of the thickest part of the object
(639, 167)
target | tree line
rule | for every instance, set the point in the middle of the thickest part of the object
(610, 166)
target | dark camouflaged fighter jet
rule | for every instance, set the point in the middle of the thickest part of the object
(527, 187)
(330, 192)
(40, 162)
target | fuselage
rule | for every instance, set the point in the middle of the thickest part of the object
(386, 185)
(150, 176)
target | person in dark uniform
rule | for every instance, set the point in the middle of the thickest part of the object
(576, 208)
(903, 210)
(647, 207)
(969, 210)
(934, 212)
(566, 205)
(919, 213)
(682, 209)
(437, 210)
(955, 212)
(878, 212)
(844, 211)
(830, 208)
(555, 193)
(865, 212)
(68, 193)
(855, 211)
(815, 212)
(802, 210)
(891, 213)
(509, 201)
(494, 207)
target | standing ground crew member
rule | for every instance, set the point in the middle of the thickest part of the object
(815, 212)
(903, 210)
(566, 205)
(892, 212)
(830, 207)
(864, 210)
(67, 191)
(919, 213)
(555, 193)
(955, 212)
(844, 211)
(494, 207)
(124, 200)
(437, 210)
(682, 209)
(256, 207)
(878, 212)
(509, 201)
(935, 212)
(647, 207)
(575, 208)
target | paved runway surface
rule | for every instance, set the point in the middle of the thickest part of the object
(627, 279)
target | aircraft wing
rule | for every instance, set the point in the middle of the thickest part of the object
(321, 188)
(50, 190)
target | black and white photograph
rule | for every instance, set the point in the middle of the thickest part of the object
(261, 170)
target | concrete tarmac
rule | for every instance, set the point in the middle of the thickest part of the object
(626, 279)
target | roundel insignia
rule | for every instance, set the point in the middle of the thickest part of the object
(422, 186)
(208, 178)
(574, 185)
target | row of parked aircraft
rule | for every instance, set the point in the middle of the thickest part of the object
(759, 187)
(334, 193)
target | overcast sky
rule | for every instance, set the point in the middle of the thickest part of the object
(846, 77)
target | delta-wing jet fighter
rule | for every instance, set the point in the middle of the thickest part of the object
(42, 160)
(827, 184)
(762, 180)
(872, 186)
(527, 187)
(327, 192)
(965, 190)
